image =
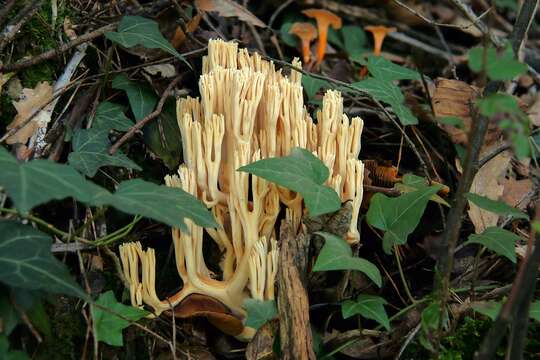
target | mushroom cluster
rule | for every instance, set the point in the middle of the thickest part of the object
(247, 111)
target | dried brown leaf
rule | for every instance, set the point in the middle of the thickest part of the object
(31, 101)
(228, 8)
(489, 182)
(454, 98)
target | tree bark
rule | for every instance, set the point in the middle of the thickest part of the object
(293, 303)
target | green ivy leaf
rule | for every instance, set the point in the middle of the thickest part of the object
(259, 312)
(335, 37)
(26, 261)
(142, 99)
(162, 203)
(412, 182)
(312, 85)
(398, 216)
(38, 181)
(534, 311)
(289, 39)
(503, 66)
(35, 182)
(111, 116)
(163, 138)
(490, 309)
(383, 69)
(354, 39)
(498, 104)
(109, 324)
(336, 254)
(136, 30)
(91, 151)
(381, 90)
(430, 317)
(368, 306)
(500, 241)
(452, 121)
(303, 172)
(495, 206)
(387, 92)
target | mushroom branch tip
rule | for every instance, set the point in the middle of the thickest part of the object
(247, 111)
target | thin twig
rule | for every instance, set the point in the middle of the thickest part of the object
(477, 21)
(434, 23)
(519, 297)
(51, 54)
(22, 18)
(6, 8)
(154, 114)
(523, 23)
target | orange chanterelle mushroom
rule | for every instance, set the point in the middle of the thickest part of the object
(324, 19)
(379, 32)
(306, 32)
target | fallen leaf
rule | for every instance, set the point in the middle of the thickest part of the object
(488, 182)
(228, 8)
(454, 98)
(515, 191)
(216, 312)
(180, 36)
(534, 111)
(31, 101)
(166, 70)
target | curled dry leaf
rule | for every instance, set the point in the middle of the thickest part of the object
(215, 311)
(534, 111)
(454, 98)
(515, 191)
(228, 8)
(488, 182)
(180, 36)
(31, 101)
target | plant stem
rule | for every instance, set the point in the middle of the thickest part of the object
(402, 276)
(519, 298)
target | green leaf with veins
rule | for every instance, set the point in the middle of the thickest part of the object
(109, 324)
(496, 206)
(35, 182)
(259, 312)
(490, 309)
(303, 172)
(26, 261)
(498, 103)
(91, 151)
(502, 66)
(166, 204)
(38, 181)
(136, 30)
(383, 69)
(500, 241)
(367, 306)
(312, 85)
(399, 216)
(142, 99)
(111, 116)
(336, 254)
(387, 92)
(354, 40)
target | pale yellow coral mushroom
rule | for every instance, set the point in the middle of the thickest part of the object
(247, 111)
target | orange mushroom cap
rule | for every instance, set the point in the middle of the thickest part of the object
(324, 19)
(306, 32)
(379, 32)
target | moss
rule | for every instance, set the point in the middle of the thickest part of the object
(459, 346)
(35, 74)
